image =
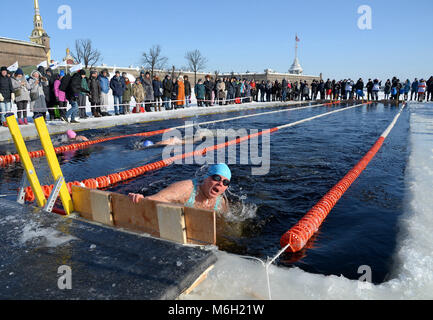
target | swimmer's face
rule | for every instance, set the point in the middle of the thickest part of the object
(213, 189)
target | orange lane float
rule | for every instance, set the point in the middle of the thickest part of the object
(297, 237)
(5, 160)
(106, 181)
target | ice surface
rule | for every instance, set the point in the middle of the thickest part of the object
(235, 277)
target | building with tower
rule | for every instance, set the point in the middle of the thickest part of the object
(27, 53)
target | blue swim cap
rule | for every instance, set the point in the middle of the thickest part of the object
(220, 169)
(147, 143)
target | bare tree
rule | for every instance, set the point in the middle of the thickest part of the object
(85, 53)
(196, 62)
(153, 59)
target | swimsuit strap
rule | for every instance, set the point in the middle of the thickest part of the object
(191, 201)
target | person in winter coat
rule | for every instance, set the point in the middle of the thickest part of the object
(414, 90)
(208, 85)
(375, 90)
(6, 90)
(406, 89)
(127, 96)
(268, 90)
(37, 95)
(221, 87)
(167, 88)
(348, 89)
(328, 89)
(105, 88)
(199, 90)
(95, 94)
(422, 87)
(46, 89)
(337, 90)
(369, 87)
(117, 84)
(139, 94)
(51, 101)
(82, 98)
(21, 89)
(180, 90)
(430, 89)
(187, 85)
(230, 91)
(387, 89)
(60, 96)
(148, 89)
(157, 92)
(72, 94)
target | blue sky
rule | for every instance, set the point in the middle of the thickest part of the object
(244, 35)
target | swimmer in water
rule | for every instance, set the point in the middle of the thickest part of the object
(72, 136)
(209, 194)
(174, 141)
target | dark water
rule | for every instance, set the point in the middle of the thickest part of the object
(306, 161)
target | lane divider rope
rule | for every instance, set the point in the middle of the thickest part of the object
(109, 180)
(297, 237)
(13, 158)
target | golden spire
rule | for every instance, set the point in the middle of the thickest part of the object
(38, 29)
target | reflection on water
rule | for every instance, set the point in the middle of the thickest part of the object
(306, 161)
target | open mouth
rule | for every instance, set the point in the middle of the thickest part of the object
(215, 190)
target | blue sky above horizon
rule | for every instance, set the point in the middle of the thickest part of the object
(244, 35)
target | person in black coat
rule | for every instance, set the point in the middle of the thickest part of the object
(369, 87)
(72, 93)
(167, 88)
(187, 85)
(95, 94)
(6, 91)
(209, 87)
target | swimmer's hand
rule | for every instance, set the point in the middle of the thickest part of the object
(136, 198)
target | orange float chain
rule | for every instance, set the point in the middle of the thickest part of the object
(300, 233)
(9, 159)
(106, 181)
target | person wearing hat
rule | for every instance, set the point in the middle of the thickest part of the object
(147, 84)
(117, 84)
(6, 90)
(38, 103)
(82, 97)
(105, 88)
(207, 194)
(72, 136)
(95, 94)
(60, 96)
(72, 94)
(22, 95)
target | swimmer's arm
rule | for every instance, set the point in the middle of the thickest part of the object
(177, 192)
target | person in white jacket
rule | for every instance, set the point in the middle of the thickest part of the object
(22, 95)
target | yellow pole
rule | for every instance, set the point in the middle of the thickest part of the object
(53, 162)
(25, 159)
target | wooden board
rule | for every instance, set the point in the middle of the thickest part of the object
(200, 226)
(171, 222)
(82, 204)
(93, 205)
(136, 217)
(101, 207)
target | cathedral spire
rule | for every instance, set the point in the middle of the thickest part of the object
(38, 29)
(39, 35)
